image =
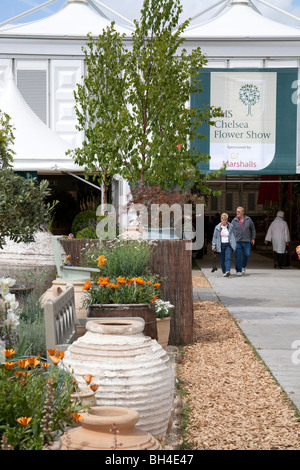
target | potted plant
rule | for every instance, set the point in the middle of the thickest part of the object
(163, 310)
(126, 287)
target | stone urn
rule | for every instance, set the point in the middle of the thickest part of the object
(131, 370)
(109, 428)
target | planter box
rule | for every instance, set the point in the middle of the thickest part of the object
(127, 310)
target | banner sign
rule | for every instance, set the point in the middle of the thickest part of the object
(257, 133)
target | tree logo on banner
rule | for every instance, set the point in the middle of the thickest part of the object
(249, 96)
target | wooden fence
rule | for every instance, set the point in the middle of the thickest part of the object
(172, 261)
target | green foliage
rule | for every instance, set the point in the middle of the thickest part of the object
(33, 391)
(125, 258)
(22, 207)
(6, 140)
(81, 219)
(132, 103)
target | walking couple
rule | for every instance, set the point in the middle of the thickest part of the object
(237, 236)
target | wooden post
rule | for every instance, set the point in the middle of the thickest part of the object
(173, 262)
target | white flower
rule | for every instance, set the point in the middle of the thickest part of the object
(5, 283)
(12, 320)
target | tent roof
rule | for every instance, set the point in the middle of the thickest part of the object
(241, 20)
(36, 146)
(76, 18)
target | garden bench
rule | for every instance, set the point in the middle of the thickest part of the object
(69, 273)
(60, 320)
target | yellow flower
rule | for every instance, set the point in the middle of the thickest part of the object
(101, 261)
(24, 421)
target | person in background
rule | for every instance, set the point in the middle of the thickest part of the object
(278, 233)
(245, 234)
(223, 242)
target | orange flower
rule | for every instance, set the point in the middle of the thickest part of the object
(8, 352)
(140, 281)
(121, 280)
(149, 283)
(94, 387)
(45, 364)
(87, 285)
(77, 417)
(52, 352)
(24, 421)
(101, 261)
(104, 283)
(33, 361)
(9, 365)
(23, 363)
(156, 284)
(154, 299)
(60, 354)
(55, 359)
(130, 281)
(88, 378)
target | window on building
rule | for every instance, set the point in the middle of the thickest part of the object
(228, 202)
(251, 201)
(32, 83)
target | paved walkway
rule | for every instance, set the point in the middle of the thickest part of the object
(266, 304)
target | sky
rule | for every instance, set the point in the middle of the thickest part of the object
(130, 9)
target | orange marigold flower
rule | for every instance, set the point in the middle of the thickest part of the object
(9, 365)
(104, 283)
(77, 417)
(88, 378)
(154, 299)
(94, 387)
(87, 285)
(8, 352)
(121, 280)
(156, 284)
(149, 283)
(130, 281)
(24, 421)
(140, 281)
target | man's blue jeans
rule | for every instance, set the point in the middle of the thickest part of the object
(242, 255)
(225, 257)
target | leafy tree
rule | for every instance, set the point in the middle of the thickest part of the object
(132, 104)
(22, 206)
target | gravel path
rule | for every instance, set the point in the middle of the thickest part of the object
(235, 402)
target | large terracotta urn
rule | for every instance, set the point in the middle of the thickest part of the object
(109, 428)
(131, 370)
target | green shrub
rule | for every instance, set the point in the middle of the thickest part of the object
(81, 219)
(124, 258)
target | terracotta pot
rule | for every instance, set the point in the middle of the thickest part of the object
(127, 310)
(86, 397)
(163, 331)
(131, 370)
(109, 428)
